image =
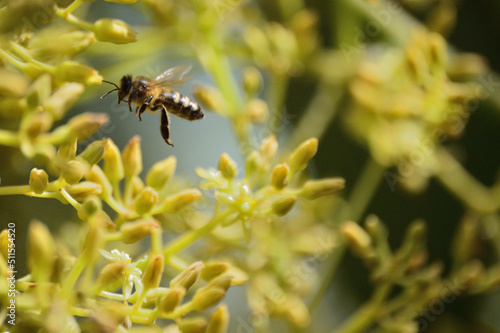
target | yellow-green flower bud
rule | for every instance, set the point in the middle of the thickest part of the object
(192, 325)
(253, 163)
(154, 270)
(132, 157)
(72, 172)
(97, 176)
(314, 189)
(92, 243)
(110, 274)
(56, 42)
(187, 277)
(357, 238)
(113, 165)
(213, 269)
(95, 151)
(114, 31)
(209, 98)
(62, 99)
(279, 177)
(252, 80)
(228, 167)
(83, 190)
(4, 243)
(90, 206)
(302, 155)
(268, 148)
(36, 123)
(132, 232)
(13, 84)
(86, 124)
(161, 172)
(43, 153)
(12, 108)
(67, 152)
(41, 251)
(283, 205)
(137, 186)
(72, 71)
(174, 203)
(171, 299)
(212, 293)
(38, 180)
(145, 201)
(219, 320)
(257, 110)
(297, 312)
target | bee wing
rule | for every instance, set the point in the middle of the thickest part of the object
(173, 76)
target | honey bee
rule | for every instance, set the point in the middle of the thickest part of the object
(155, 94)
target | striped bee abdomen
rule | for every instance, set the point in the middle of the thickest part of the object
(181, 106)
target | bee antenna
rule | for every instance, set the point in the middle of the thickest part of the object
(109, 92)
(112, 83)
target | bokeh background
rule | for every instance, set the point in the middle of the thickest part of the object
(473, 28)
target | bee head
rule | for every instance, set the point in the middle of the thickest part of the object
(123, 89)
(125, 86)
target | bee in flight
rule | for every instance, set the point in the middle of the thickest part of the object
(155, 95)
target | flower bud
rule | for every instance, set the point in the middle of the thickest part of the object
(72, 71)
(187, 277)
(86, 124)
(171, 299)
(154, 270)
(36, 123)
(252, 80)
(38, 180)
(137, 186)
(314, 189)
(110, 274)
(55, 42)
(95, 151)
(357, 238)
(253, 163)
(219, 320)
(41, 251)
(161, 172)
(132, 157)
(113, 165)
(192, 325)
(72, 172)
(279, 177)
(67, 152)
(132, 232)
(174, 203)
(92, 243)
(90, 206)
(212, 293)
(268, 148)
(62, 99)
(297, 312)
(114, 31)
(213, 269)
(97, 176)
(257, 110)
(227, 166)
(209, 98)
(145, 201)
(84, 189)
(302, 155)
(283, 205)
(4, 243)
(13, 83)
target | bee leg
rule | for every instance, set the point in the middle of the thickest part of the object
(164, 127)
(132, 95)
(144, 106)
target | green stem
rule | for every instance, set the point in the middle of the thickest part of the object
(363, 318)
(17, 189)
(75, 20)
(71, 8)
(8, 138)
(72, 277)
(190, 237)
(361, 195)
